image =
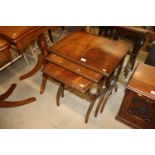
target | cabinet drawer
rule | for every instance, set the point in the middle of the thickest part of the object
(137, 110)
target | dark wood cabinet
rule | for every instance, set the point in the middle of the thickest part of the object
(137, 110)
(138, 106)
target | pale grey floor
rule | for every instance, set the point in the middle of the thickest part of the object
(44, 113)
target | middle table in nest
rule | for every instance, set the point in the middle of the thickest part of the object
(81, 60)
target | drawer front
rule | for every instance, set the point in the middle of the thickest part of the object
(4, 58)
(138, 110)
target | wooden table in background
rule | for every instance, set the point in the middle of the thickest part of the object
(5, 58)
(133, 33)
(5, 95)
(20, 37)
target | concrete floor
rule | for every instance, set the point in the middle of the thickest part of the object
(43, 113)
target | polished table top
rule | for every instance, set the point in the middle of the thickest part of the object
(76, 68)
(67, 77)
(143, 80)
(97, 53)
(14, 32)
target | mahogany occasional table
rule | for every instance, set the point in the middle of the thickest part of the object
(79, 61)
(21, 36)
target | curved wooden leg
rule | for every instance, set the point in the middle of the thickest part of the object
(89, 110)
(60, 92)
(35, 69)
(44, 80)
(8, 92)
(105, 100)
(16, 103)
(99, 105)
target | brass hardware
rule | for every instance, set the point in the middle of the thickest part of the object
(83, 59)
(81, 85)
(152, 92)
(104, 70)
